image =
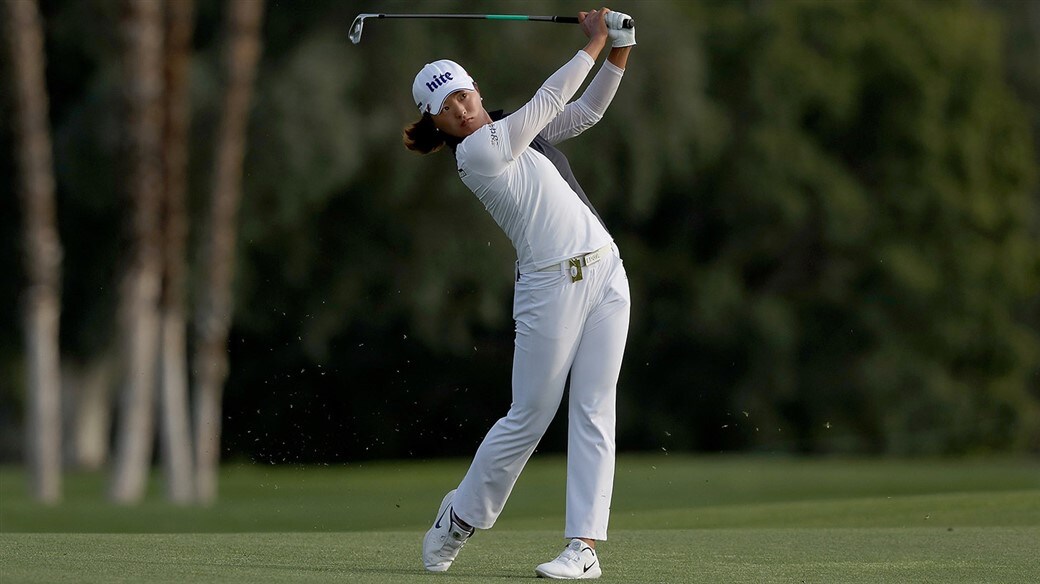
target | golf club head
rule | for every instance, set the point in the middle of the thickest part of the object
(355, 29)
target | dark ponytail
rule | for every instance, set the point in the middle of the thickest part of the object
(423, 136)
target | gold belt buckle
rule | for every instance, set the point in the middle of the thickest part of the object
(575, 269)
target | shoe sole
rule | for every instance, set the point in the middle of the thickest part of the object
(548, 577)
(584, 576)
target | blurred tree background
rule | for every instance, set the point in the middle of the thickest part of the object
(829, 213)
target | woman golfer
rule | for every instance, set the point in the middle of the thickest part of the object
(571, 298)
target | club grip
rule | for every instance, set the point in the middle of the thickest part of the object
(628, 23)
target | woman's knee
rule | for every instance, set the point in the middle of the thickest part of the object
(532, 418)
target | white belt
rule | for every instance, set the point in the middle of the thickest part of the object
(573, 266)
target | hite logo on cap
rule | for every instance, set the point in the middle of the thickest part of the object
(439, 80)
(436, 81)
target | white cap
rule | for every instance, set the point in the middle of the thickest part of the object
(436, 81)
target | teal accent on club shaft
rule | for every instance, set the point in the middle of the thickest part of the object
(506, 17)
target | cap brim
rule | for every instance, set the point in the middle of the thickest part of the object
(442, 93)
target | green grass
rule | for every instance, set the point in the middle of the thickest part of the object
(674, 519)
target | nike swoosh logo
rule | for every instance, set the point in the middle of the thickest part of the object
(437, 525)
(589, 566)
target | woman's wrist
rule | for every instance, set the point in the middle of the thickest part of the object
(595, 46)
(618, 56)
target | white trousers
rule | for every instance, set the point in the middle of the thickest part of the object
(562, 327)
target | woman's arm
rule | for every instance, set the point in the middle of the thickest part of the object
(594, 27)
(584, 112)
(524, 124)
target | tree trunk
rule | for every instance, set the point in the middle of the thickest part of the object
(87, 397)
(215, 299)
(139, 315)
(175, 431)
(42, 247)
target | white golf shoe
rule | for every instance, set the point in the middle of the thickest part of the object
(577, 561)
(444, 540)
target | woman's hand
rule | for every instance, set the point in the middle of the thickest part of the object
(593, 24)
(594, 27)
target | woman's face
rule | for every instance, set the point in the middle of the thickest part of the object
(462, 114)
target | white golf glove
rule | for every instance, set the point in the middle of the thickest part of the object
(620, 37)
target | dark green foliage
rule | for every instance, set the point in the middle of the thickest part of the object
(860, 252)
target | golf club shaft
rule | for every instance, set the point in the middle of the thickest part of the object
(359, 22)
(560, 19)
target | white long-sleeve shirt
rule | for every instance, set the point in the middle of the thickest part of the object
(523, 191)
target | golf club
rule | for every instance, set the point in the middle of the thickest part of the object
(359, 22)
